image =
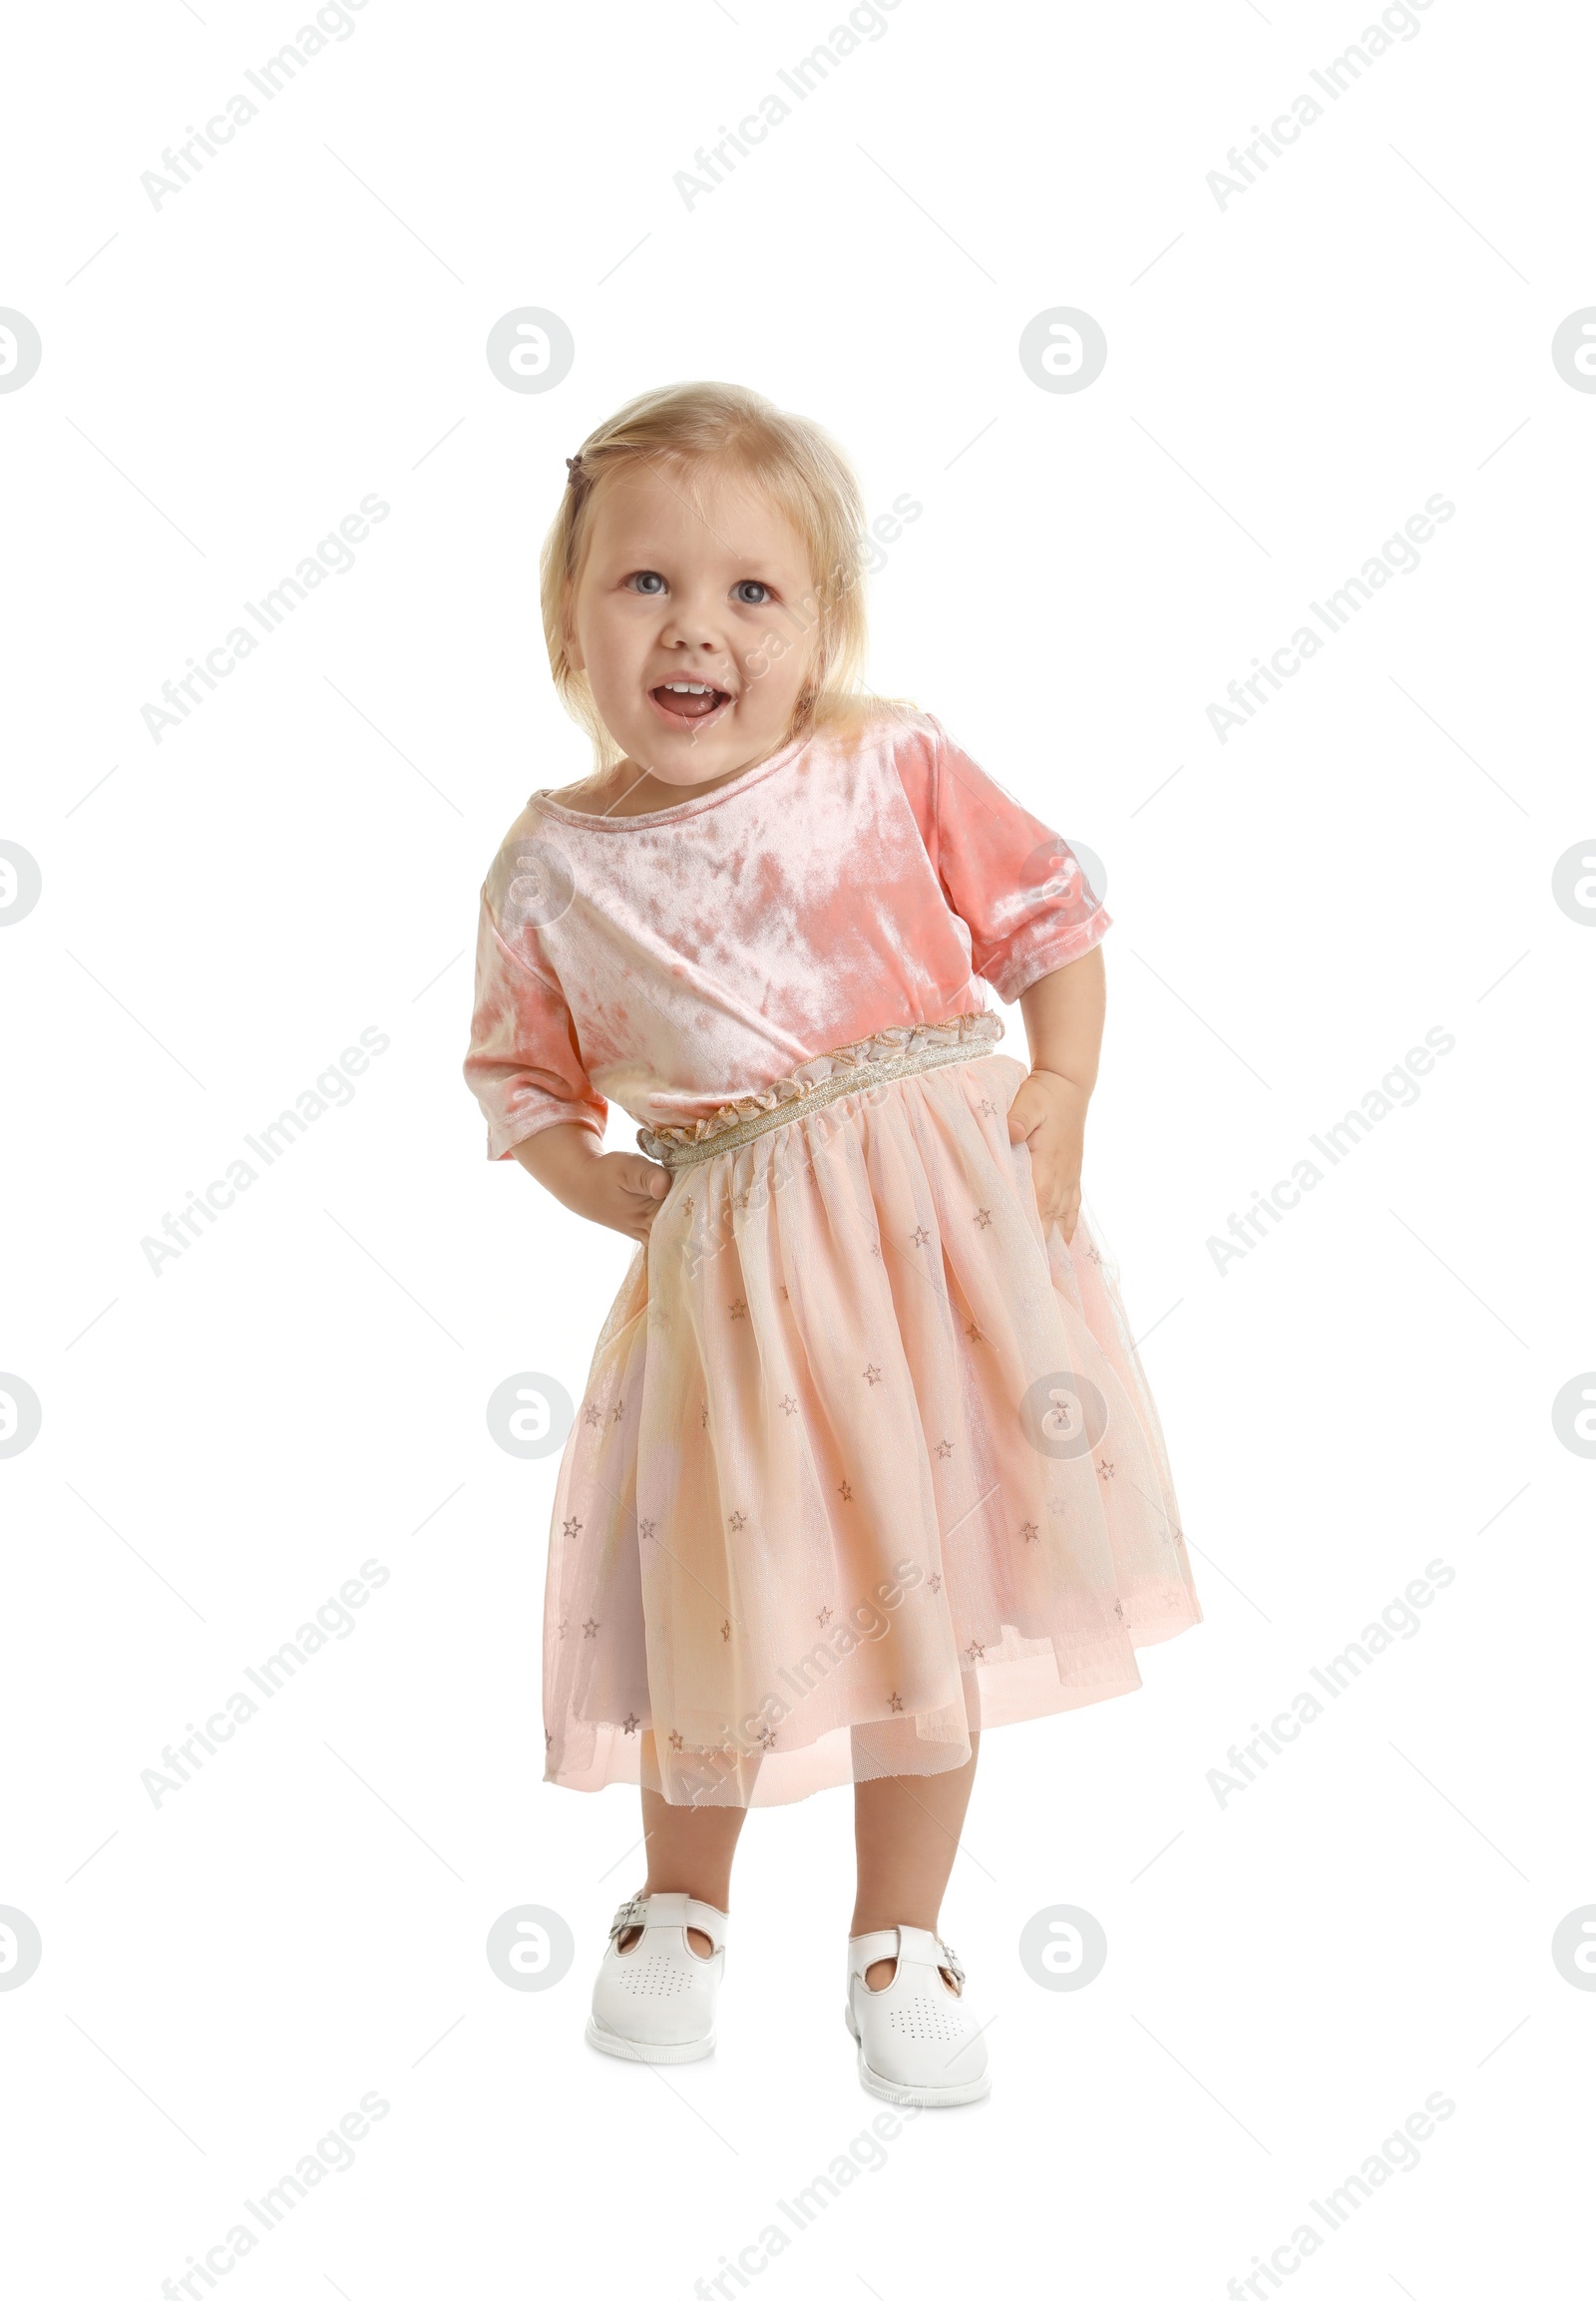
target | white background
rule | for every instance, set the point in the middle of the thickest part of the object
(1288, 379)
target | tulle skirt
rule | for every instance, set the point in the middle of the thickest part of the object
(866, 1462)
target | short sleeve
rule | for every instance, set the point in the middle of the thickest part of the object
(1015, 883)
(524, 1065)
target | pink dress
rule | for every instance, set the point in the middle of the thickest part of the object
(864, 1461)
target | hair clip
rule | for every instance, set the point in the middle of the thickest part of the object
(574, 468)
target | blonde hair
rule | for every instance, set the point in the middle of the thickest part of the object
(805, 474)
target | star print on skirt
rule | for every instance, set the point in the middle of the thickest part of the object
(866, 1463)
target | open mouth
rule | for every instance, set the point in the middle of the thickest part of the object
(687, 703)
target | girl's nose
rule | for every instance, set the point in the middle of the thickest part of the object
(690, 627)
(696, 640)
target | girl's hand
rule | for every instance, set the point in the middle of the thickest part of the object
(621, 1189)
(1049, 1113)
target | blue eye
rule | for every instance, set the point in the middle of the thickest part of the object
(648, 576)
(751, 583)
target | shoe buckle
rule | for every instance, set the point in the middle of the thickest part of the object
(631, 1913)
(951, 1961)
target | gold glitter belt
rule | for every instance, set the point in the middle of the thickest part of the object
(887, 1054)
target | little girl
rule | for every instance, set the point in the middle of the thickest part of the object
(866, 1460)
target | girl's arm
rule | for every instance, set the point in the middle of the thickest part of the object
(1063, 1015)
(525, 1069)
(621, 1189)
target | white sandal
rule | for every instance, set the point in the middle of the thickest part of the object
(918, 2043)
(656, 2002)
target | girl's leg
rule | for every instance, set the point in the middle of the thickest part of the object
(906, 1834)
(689, 1851)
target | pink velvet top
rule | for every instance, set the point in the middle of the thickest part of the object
(676, 960)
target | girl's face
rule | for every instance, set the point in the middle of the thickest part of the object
(714, 595)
